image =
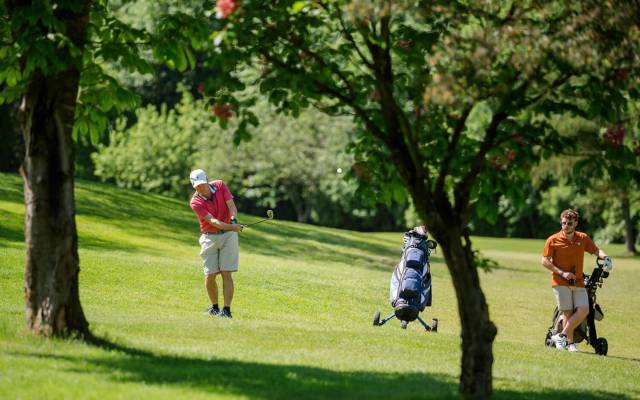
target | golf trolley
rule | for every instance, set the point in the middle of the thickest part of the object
(587, 329)
(410, 288)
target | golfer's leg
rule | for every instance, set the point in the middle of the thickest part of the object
(565, 304)
(212, 287)
(210, 253)
(581, 303)
(575, 320)
(227, 287)
(228, 265)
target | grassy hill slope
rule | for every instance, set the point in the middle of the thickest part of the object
(303, 308)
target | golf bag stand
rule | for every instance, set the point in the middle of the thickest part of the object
(403, 323)
(410, 286)
(587, 329)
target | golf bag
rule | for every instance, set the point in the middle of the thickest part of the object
(410, 286)
(587, 329)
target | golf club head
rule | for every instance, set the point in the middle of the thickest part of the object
(269, 217)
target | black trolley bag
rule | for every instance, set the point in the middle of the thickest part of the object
(410, 286)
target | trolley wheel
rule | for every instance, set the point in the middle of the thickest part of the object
(376, 318)
(602, 346)
(434, 325)
(403, 324)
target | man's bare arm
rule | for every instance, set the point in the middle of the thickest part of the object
(222, 225)
(232, 208)
(548, 264)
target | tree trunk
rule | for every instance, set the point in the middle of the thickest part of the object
(629, 234)
(52, 265)
(478, 332)
(300, 204)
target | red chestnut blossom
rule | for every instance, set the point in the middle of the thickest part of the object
(622, 74)
(496, 163)
(360, 172)
(615, 135)
(517, 137)
(404, 44)
(510, 154)
(222, 111)
(226, 8)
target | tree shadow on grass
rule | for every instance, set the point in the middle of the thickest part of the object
(11, 233)
(273, 381)
(252, 379)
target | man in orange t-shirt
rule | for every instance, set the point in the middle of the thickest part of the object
(563, 255)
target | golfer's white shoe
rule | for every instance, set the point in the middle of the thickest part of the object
(560, 339)
(572, 347)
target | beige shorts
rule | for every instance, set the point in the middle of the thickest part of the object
(570, 297)
(219, 252)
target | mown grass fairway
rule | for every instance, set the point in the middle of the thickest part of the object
(302, 327)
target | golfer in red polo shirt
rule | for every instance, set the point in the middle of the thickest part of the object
(213, 204)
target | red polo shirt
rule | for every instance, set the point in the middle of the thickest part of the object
(216, 206)
(568, 255)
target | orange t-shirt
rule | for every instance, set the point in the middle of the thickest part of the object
(568, 255)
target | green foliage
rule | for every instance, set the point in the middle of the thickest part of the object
(298, 164)
(156, 153)
(34, 41)
(302, 161)
(471, 85)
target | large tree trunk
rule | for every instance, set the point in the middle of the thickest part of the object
(629, 234)
(52, 265)
(478, 332)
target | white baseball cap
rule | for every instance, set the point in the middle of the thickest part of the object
(197, 177)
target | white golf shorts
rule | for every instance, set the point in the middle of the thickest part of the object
(570, 297)
(219, 252)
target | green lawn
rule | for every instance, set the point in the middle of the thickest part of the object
(302, 327)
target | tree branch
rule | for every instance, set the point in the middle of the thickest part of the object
(371, 126)
(554, 85)
(297, 45)
(451, 148)
(399, 135)
(347, 34)
(463, 188)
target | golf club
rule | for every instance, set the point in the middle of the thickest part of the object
(269, 217)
